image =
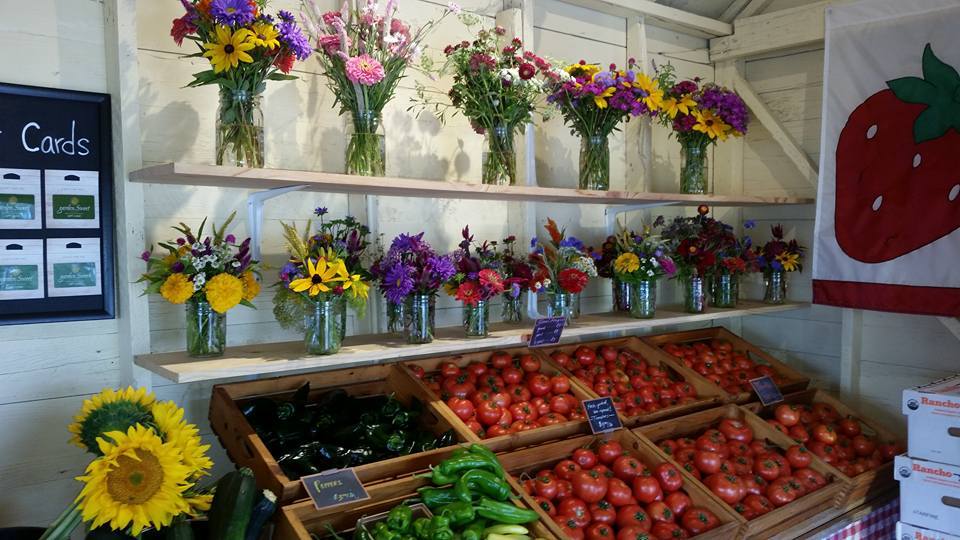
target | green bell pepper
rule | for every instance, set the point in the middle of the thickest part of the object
(399, 518)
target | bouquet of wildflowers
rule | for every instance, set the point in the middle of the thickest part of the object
(778, 255)
(594, 102)
(696, 242)
(561, 262)
(642, 258)
(364, 53)
(479, 274)
(246, 48)
(412, 267)
(738, 256)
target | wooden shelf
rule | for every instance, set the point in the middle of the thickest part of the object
(279, 358)
(263, 179)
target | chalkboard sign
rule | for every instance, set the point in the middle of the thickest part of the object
(56, 205)
(334, 487)
(602, 415)
(546, 331)
(766, 390)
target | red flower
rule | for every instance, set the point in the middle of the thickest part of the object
(527, 71)
(182, 27)
(491, 280)
(468, 293)
(572, 280)
(284, 62)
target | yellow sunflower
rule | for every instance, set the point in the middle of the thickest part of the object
(319, 276)
(672, 105)
(790, 261)
(224, 292)
(138, 483)
(177, 289)
(110, 410)
(168, 418)
(626, 263)
(654, 95)
(265, 35)
(251, 287)
(710, 124)
(229, 49)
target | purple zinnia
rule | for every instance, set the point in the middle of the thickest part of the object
(232, 12)
(292, 37)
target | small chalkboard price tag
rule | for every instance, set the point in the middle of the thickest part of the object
(546, 331)
(334, 487)
(602, 415)
(767, 390)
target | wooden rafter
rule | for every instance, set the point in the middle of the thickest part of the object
(660, 15)
(781, 30)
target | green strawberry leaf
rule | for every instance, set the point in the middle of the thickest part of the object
(930, 125)
(937, 72)
(939, 89)
(913, 90)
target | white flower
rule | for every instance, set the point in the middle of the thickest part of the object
(547, 282)
(199, 281)
(198, 246)
(454, 7)
(649, 272)
(236, 264)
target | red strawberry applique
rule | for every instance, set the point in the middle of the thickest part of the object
(898, 166)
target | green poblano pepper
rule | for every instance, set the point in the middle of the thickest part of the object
(459, 513)
(420, 526)
(400, 518)
(439, 529)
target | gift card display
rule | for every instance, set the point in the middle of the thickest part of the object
(71, 199)
(73, 266)
(21, 269)
(20, 199)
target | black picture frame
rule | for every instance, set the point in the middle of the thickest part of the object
(58, 111)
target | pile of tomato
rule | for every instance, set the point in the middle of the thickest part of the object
(636, 386)
(717, 361)
(504, 395)
(838, 441)
(746, 473)
(608, 493)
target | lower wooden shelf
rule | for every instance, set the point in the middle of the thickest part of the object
(277, 358)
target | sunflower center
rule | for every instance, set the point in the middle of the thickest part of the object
(135, 480)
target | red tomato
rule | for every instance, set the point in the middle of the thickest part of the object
(646, 489)
(506, 418)
(663, 530)
(512, 375)
(600, 531)
(678, 501)
(825, 412)
(633, 516)
(767, 469)
(500, 359)
(529, 363)
(562, 359)
(687, 454)
(735, 430)
(551, 418)
(788, 415)
(416, 370)
(545, 505)
(633, 533)
(699, 520)
(823, 451)
(798, 457)
(570, 528)
(461, 407)
(742, 465)
(609, 451)
(603, 512)
(459, 386)
(889, 451)
(545, 486)
(780, 492)
(810, 479)
(559, 384)
(785, 469)
(523, 425)
(693, 470)
(799, 433)
(449, 369)
(560, 405)
(475, 427)
(518, 393)
(498, 430)
(489, 413)
(538, 384)
(708, 462)
(863, 446)
(714, 441)
(564, 489)
(849, 426)
(565, 469)
(668, 476)
(619, 493)
(590, 486)
(726, 486)
(542, 406)
(753, 484)
(523, 411)
(585, 356)
(627, 467)
(584, 457)
(575, 508)
(825, 433)
(759, 504)
(659, 511)
(778, 426)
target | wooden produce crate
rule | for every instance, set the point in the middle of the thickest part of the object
(791, 380)
(709, 394)
(301, 519)
(833, 495)
(502, 442)
(247, 449)
(866, 485)
(530, 460)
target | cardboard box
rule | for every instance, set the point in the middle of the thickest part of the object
(929, 494)
(905, 531)
(933, 421)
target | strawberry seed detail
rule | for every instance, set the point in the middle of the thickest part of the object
(872, 132)
(916, 160)
(877, 203)
(952, 196)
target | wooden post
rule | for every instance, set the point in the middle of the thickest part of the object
(851, 348)
(638, 134)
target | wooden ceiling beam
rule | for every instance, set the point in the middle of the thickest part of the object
(781, 30)
(659, 15)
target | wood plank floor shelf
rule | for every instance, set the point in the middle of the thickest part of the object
(279, 358)
(244, 178)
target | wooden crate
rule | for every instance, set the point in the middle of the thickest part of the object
(513, 440)
(793, 380)
(247, 449)
(710, 395)
(298, 520)
(864, 486)
(833, 495)
(532, 459)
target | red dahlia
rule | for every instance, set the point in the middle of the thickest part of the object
(572, 280)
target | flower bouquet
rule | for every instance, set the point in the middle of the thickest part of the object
(364, 53)
(735, 257)
(695, 243)
(211, 276)
(642, 261)
(497, 88)
(411, 273)
(699, 115)
(323, 274)
(775, 258)
(563, 270)
(594, 102)
(479, 278)
(518, 274)
(246, 48)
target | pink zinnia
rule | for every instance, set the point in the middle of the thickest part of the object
(364, 69)
(329, 43)
(331, 16)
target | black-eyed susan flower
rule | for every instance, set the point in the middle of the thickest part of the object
(320, 276)
(265, 35)
(710, 124)
(229, 49)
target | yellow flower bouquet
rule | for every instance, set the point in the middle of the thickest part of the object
(211, 275)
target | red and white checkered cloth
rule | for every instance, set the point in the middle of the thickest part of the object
(881, 524)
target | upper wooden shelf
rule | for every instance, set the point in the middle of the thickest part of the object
(263, 179)
(280, 358)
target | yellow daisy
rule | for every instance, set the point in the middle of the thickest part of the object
(224, 292)
(710, 124)
(626, 263)
(672, 105)
(251, 287)
(110, 410)
(654, 95)
(229, 49)
(177, 289)
(790, 261)
(138, 483)
(265, 35)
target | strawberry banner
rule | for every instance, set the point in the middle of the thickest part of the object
(888, 206)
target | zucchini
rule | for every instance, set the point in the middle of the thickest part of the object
(262, 511)
(180, 530)
(232, 505)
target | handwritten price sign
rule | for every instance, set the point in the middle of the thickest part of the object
(334, 487)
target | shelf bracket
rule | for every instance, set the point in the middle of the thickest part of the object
(611, 212)
(255, 215)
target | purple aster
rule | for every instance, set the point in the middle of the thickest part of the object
(292, 37)
(320, 211)
(232, 12)
(397, 283)
(288, 271)
(407, 242)
(441, 266)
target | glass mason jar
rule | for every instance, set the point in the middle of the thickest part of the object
(206, 330)
(322, 321)
(575, 306)
(694, 298)
(725, 290)
(476, 319)
(643, 301)
(366, 148)
(499, 160)
(512, 308)
(560, 305)
(418, 321)
(395, 317)
(622, 295)
(239, 129)
(594, 162)
(694, 177)
(775, 284)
